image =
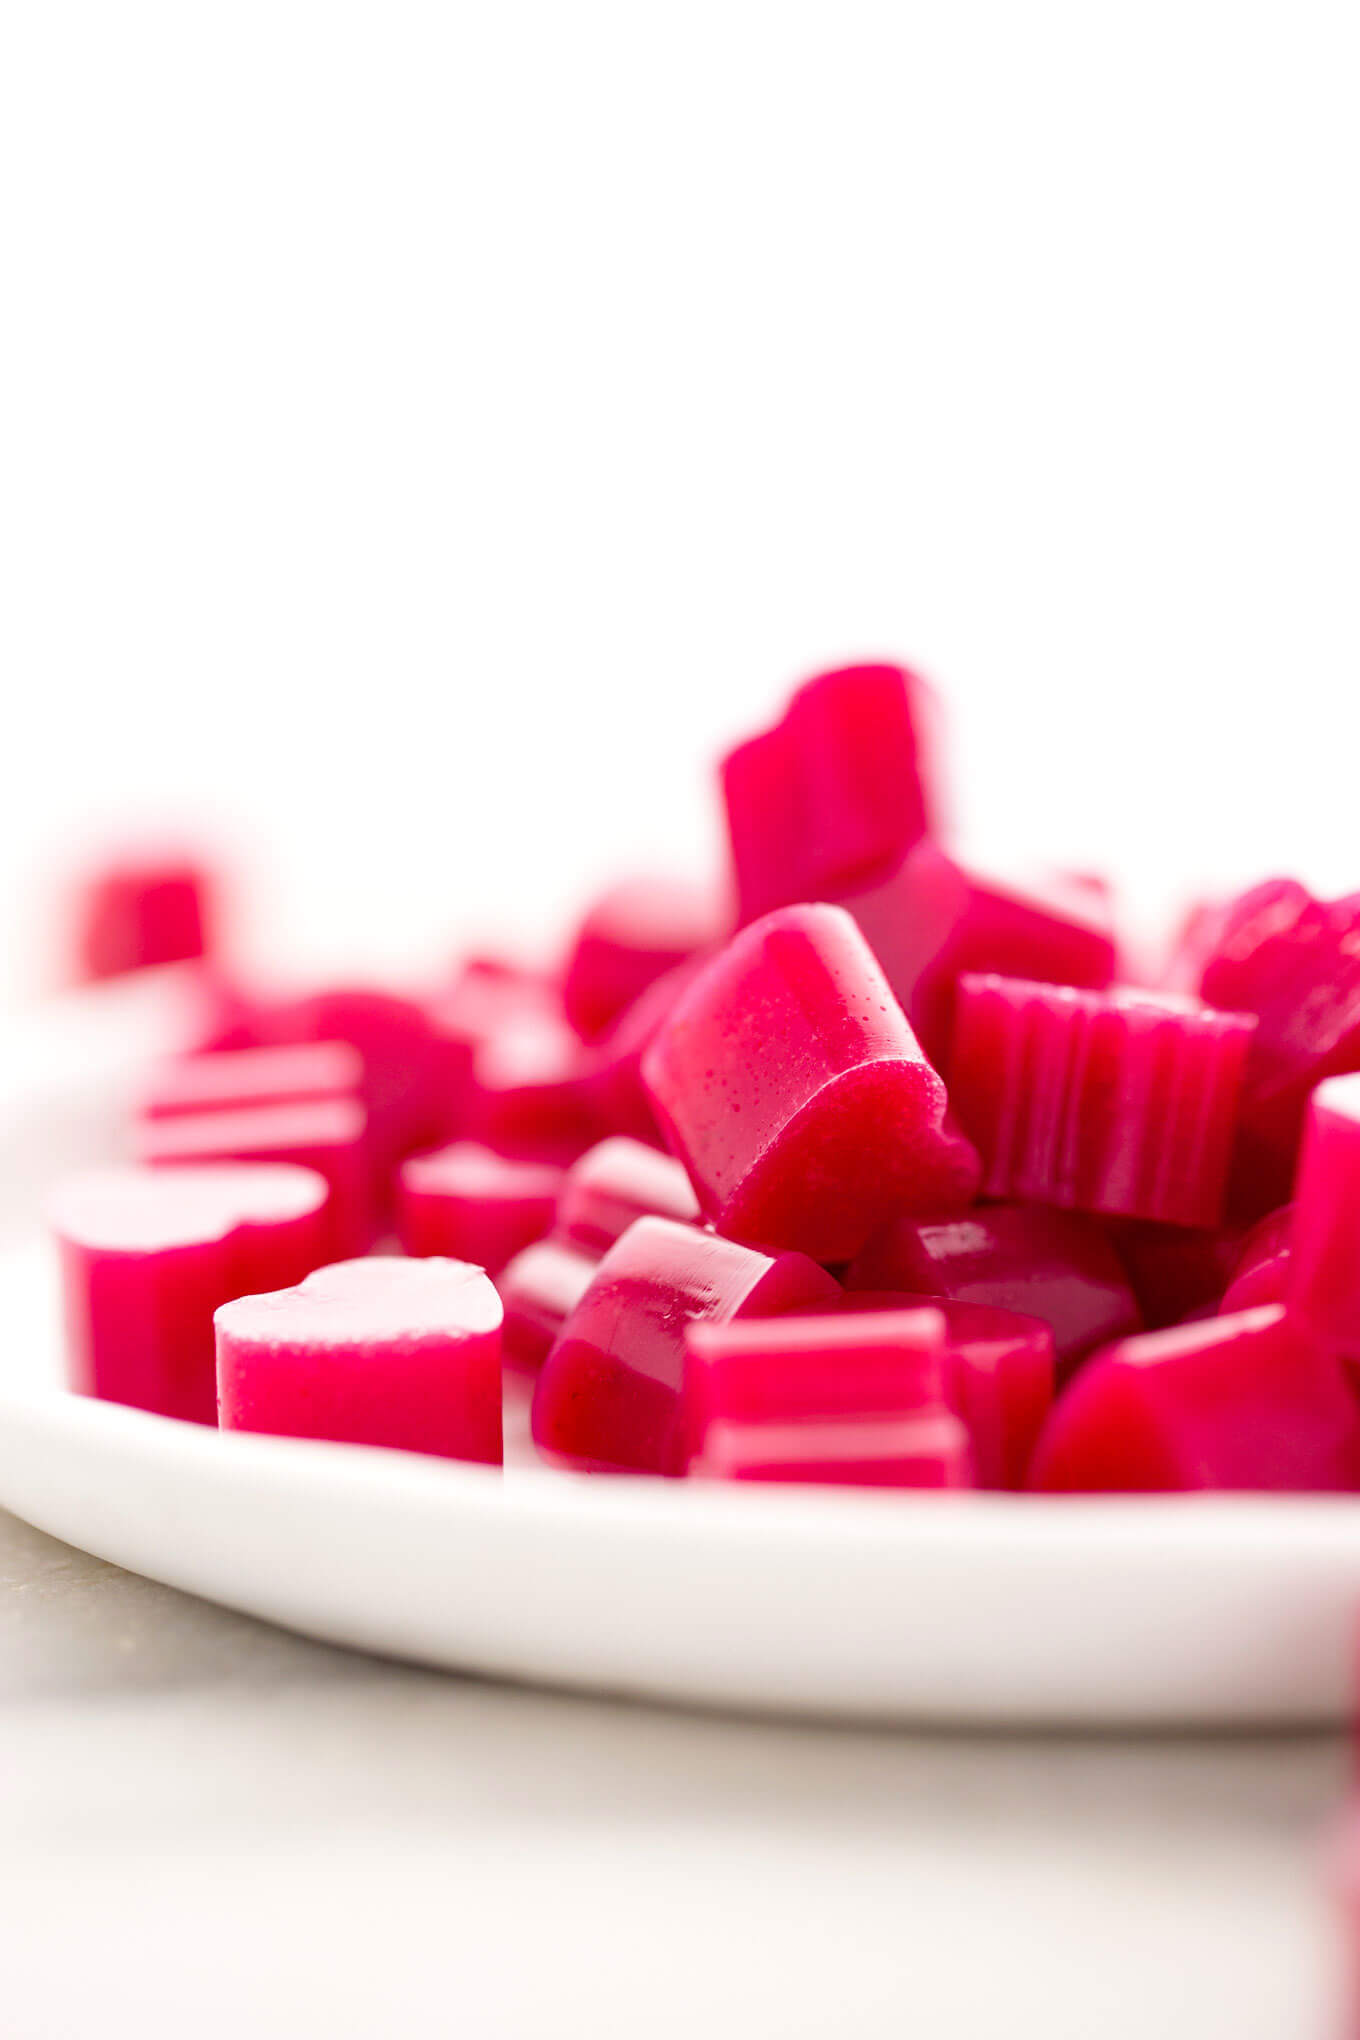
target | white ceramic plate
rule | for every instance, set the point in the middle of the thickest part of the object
(934, 1608)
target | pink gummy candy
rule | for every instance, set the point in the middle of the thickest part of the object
(468, 1203)
(1257, 1399)
(789, 1083)
(531, 1093)
(855, 1401)
(609, 1395)
(1244, 1402)
(137, 912)
(998, 1377)
(615, 1182)
(934, 919)
(327, 1134)
(618, 1097)
(1054, 1265)
(632, 935)
(539, 1290)
(383, 1351)
(1323, 1282)
(1294, 962)
(147, 1256)
(1261, 1272)
(228, 1079)
(1119, 1101)
(837, 792)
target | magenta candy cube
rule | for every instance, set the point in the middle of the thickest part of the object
(790, 1085)
(854, 1401)
(998, 1377)
(147, 1255)
(467, 1203)
(141, 911)
(615, 1182)
(1261, 1272)
(328, 1135)
(618, 1097)
(632, 935)
(398, 1353)
(539, 1290)
(1175, 1270)
(1294, 962)
(1054, 1265)
(608, 1398)
(226, 1080)
(1122, 1101)
(1249, 1402)
(837, 792)
(934, 919)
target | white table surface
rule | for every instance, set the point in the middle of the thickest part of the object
(210, 1828)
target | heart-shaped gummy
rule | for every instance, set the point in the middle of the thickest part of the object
(382, 1351)
(147, 1256)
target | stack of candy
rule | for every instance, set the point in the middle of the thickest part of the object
(876, 1170)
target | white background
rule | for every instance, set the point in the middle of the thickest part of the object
(428, 433)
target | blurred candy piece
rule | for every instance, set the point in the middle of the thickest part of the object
(225, 1080)
(1294, 962)
(147, 1255)
(837, 792)
(998, 1377)
(139, 911)
(539, 1290)
(531, 1093)
(615, 1182)
(1261, 1272)
(470, 1204)
(327, 1135)
(390, 1352)
(1176, 1270)
(934, 919)
(618, 1097)
(609, 1394)
(789, 1083)
(1323, 1287)
(857, 1401)
(1119, 1101)
(1248, 1402)
(1054, 1265)
(632, 935)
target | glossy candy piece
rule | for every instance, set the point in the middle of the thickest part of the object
(229, 1080)
(383, 1351)
(609, 1394)
(1248, 1402)
(1054, 1265)
(147, 1255)
(1261, 1272)
(999, 1372)
(1323, 1282)
(618, 1097)
(467, 1203)
(1121, 1101)
(837, 792)
(531, 1094)
(327, 1135)
(630, 936)
(615, 1182)
(789, 1083)
(935, 918)
(141, 911)
(539, 1290)
(1293, 961)
(852, 1401)
(1175, 1270)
